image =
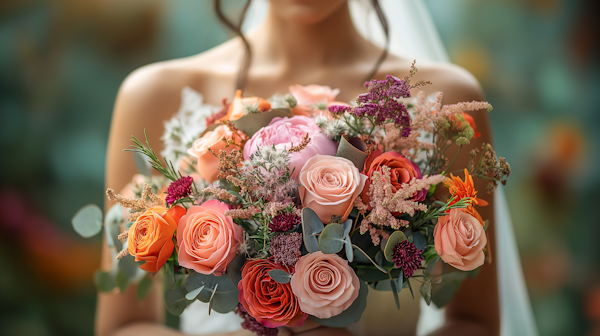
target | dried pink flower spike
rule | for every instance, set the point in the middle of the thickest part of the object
(179, 189)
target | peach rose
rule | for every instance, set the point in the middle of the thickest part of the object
(459, 240)
(308, 96)
(329, 186)
(271, 303)
(207, 162)
(151, 236)
(207, 239)
(238, 105)
(325, 284)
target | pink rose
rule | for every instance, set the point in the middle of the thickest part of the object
(287, 132)
(311, 95)
(459, 240)
(329, 186)
(324, 284)
(207, 162)
(207, 239)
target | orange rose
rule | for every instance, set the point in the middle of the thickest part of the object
(471, 121)
(271, 303)
(207, 162)
(459, 240)
(238, 105)
(151, 236)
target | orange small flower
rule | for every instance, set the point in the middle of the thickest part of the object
(471, 121)
(236, 109)
(463, 189)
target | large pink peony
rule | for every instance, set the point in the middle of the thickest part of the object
(324, 284)
(329, 186)
(287, 132)
(459, 240)
(207, 239)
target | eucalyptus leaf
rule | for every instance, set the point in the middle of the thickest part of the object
(87, 222)
(379, 258)
(419, 240)
(251, 123)
(394, 239)
(431, 266)
(122, 281)
(209, 281)
(143, 288)
(395, 292)
(349, 253)
(193, 294)
(311, 226)
(114, 216)
(225, 302)
(347, 227)
(234, 269)
(141, 163)
(105, 282)
(443, 294)
(331, 239)
(212, 296)
(400, 281)
(280, 276)
(175, 300)
(349, 151)
(352, 314)
(426, 291)
(410, 288)
(364, 256)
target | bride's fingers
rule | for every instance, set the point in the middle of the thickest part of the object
(283, 331)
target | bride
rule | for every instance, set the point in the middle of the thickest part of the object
(299, 42)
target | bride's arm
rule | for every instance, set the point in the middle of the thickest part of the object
(147, 98)
(474, 310)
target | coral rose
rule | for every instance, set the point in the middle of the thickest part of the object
(285, 133)
(471, 121)
(271, 303)
(329, 186)
(151, 236)
(207, 162)
(402, 170)
(325, 284)
(207, 239)
(459, 240)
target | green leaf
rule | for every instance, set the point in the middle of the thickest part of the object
(394, 239)
(141, 163)
(360, 254)
(88, 221)
(410, 288)
(350, 315)
(209, 281)
(234, 269)
(225, 302)
(331, 239)
(105, 282)
(419, 240)
(431, 265)
(193, 294)
(114, 216)
(280, 276)
(237, 195)
(251, 123)
(426, 291)
(175, 300)
(143, 288)
(400, 281)
(311, 226)
(349, 253)
(122, 281)
(347, 226)
(348, 150)
(395, 291)
(212, 296)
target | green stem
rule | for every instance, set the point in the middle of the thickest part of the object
(451, 163)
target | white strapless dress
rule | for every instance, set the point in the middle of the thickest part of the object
(381, 316)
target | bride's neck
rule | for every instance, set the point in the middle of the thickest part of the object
(293, 47)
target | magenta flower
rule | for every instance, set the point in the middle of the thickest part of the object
(284, 222)
(179, 189)
(408, 257)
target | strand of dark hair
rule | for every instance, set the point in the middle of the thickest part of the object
(386, 31)
(237, 29)
(245, 66)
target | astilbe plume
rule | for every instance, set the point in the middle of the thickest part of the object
(252, 325)
(285, 248)
(408, 257)
(179, 189)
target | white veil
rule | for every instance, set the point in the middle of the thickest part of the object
(412, 35)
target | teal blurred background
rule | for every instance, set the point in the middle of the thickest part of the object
(61, 63)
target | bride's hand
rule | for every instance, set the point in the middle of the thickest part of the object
(313, 328)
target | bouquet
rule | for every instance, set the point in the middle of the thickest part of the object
(297, 206)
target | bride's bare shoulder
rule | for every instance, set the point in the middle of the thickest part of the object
(455, 82)
(157, 87)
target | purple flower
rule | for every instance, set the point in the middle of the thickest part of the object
(285, 248)
(251, 324)
(408, 257)
(179, 189)
(338, 109)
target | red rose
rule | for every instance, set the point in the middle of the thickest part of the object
(402, 170)
(271, 303)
